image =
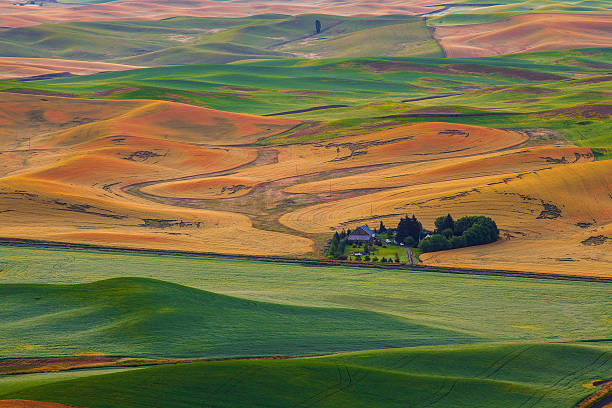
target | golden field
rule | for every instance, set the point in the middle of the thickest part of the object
(16, 67)
(526, 33)
(163, 175)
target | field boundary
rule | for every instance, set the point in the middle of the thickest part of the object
(15, 242)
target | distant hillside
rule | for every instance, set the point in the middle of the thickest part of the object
(185, 40)
(525, 33)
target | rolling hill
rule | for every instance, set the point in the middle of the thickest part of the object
(527, 32)
(492, 308)
(147, 318)
(191, 40)
(506, 375)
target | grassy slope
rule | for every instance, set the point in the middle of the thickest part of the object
(187, 40)
(493, 308)
(521, 85)
(141, 317)
(512, 375)
(335, 81)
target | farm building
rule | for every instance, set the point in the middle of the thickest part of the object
(362, 234)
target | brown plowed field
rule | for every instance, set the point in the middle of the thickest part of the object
(15, 403)
(20, 16)
(15, 67)
(527, 32)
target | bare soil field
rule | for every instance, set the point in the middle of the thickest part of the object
(527, 32)
(12, 15)
(19, 403)
(15, 67)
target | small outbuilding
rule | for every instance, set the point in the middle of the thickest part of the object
(362, 234)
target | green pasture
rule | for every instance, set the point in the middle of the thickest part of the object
(191, 40)
(16, 383)
(253, 87)
(566, 91)
(386, 251)
(477, 307)
(151, 318)
(502, 375)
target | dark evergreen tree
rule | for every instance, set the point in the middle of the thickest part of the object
(381, 228)
(443, 223)
(333, 249)
(408, 227)
(341, 247)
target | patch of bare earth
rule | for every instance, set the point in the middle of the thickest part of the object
(601, 398)
(52, 364)
(18, 403)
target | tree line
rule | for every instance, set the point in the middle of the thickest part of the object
(448, 234)
(466, 231)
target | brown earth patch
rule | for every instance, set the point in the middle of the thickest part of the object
(113, 91)
(40, 92)
(14, 366)
(601, 398)
(18, 67)
(387, 66)
(18, 403)
(507, 72)
(585, 111)
(302, 92)
(595, 80)
(596, 240)
(529, 32)
(239, 88)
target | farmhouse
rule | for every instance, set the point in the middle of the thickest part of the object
(362, 234)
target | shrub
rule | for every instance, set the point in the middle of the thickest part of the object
(408, 227)
(410, 241)
(457, 241)
(443, 223)
(435, 243)
(482, 230)
(448, 233)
